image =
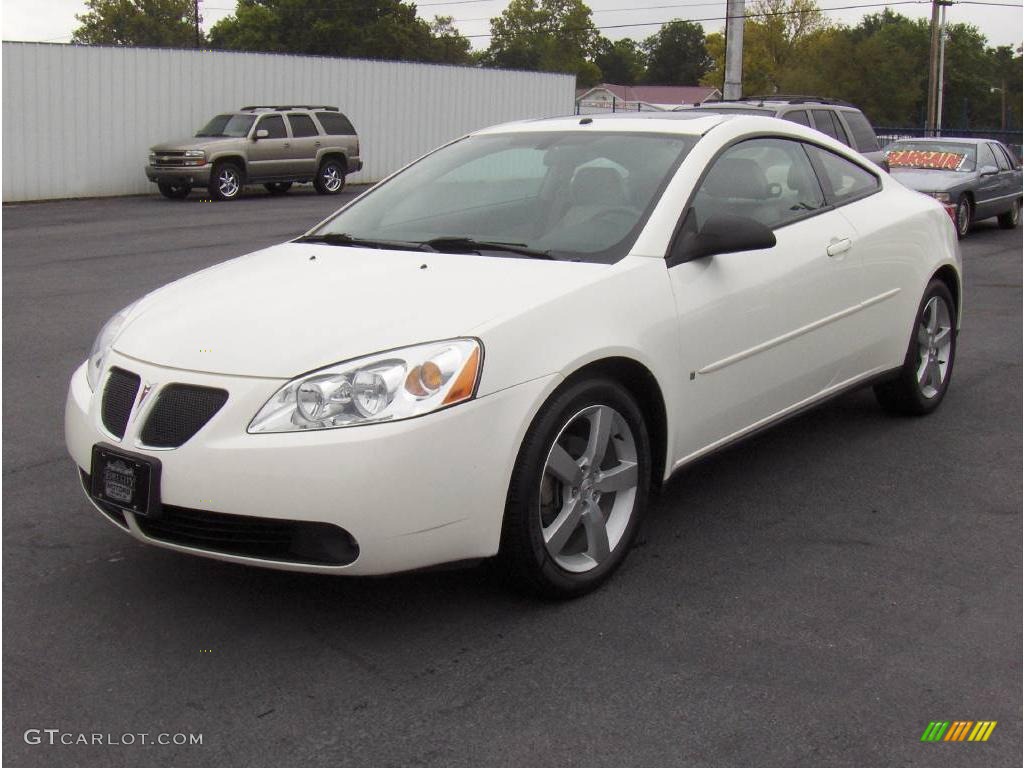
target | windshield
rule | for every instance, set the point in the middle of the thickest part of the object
(931, 156)
(575, 195)
(236, 126)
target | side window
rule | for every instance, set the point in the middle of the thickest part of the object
(823, 122)
(840, 130)
(302, 126)
(335, 124)
(274, 124)
(846, 180)
(985, 157)
(797, 116)
(1010, 156)
(864, 139)
(768, 180)
(1001, 161)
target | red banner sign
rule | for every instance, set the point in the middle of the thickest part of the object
(916, 158)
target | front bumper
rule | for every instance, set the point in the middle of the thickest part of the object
(194, 176)
(412, 494)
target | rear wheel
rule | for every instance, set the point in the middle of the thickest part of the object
(1011, 218)
(579, 488)
(928, 366)
(963, 216)
(278, 187)
(225, 182)
(174, 191)
(330, 177)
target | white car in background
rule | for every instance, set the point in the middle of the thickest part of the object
(506, 346)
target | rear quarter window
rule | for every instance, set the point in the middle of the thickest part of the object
(864, 139)
(845, 180)
(335, 124)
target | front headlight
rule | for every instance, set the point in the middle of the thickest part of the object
(195, 153)
(384, 387)
(942, 197)
(100, 347)
(152, 158)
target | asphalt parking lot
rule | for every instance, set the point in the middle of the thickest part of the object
(813, 597)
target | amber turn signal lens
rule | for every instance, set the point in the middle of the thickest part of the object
(465, 384)
(430, 376)
(413, 385)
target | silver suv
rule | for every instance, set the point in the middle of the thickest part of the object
(273, 146)
(836, 118)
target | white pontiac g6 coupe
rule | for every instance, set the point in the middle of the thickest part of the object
(505, 347)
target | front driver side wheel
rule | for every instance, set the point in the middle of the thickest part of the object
(928, 366)
(578, 491)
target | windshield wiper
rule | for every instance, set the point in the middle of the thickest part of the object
(343, 238)
(460, 244)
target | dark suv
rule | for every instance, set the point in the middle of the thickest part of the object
(838, 119)
(272, 146)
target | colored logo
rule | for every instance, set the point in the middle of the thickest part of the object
(958, 730)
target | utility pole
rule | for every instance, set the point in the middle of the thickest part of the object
(735, 13)
(932, 121)
(942, 69)
(195, 12)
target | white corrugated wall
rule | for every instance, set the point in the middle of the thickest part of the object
(78, 121)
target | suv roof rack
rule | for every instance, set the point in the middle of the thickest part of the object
(796, 99)
(285, 108)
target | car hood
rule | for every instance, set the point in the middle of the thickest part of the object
(296, 307)
(930, 181)
(192, 142)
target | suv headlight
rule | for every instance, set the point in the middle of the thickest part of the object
(388, 386)
(152, 158)
(942, 197)
(195, 153)
(101, 346)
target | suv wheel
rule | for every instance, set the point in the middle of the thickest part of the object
(225, 182)
(330, 178)
(174, 191)
(278, 187)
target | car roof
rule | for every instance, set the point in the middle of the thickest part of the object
(943, 140)
(686, 123)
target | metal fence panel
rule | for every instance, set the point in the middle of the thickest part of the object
(78, 120)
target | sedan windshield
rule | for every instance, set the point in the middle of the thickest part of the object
(571, 195)
(235, 126)
(931, 156)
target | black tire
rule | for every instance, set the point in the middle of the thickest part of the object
(220, 187)
(330, 177)
(524, 557)
(964, 216)
(907, 394)
(1011, 218)
(174, 191)
(278, 187)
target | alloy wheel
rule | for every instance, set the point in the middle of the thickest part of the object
(963, 217)
(228, 182)
(934, 340)
(588, 488)
(332, 178)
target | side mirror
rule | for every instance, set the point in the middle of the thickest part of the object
(262, 133)
(721, 233)
(988, 170)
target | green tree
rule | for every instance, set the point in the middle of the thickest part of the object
(621, 62)
(449, 45)
(379, 29)
(677, 54)
(153, 23)
(545, 36)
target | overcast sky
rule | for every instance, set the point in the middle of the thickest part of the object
(54, 20)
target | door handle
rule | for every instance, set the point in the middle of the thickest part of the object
(838, 246)
(287, 144)
(316, 143)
